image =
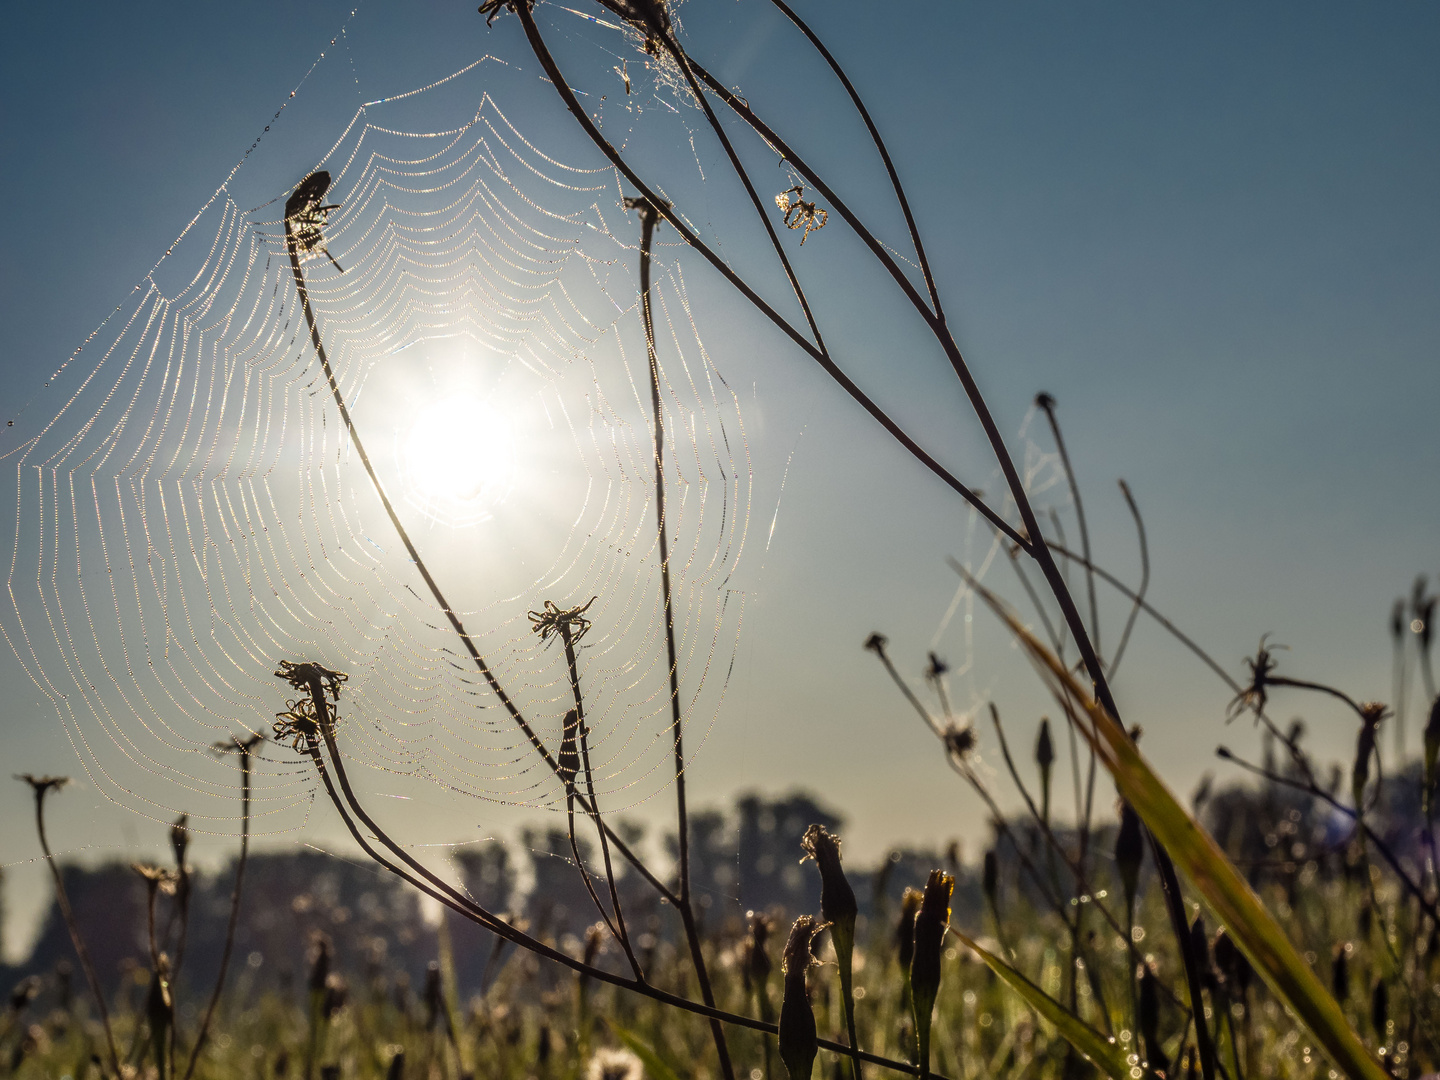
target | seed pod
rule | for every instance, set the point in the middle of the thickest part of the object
(905, 931)
(1129, 853)
(757, 966)
(1044, 758)
(797, 1036)
(568, 760)
(1380, 1009)
(931, 923)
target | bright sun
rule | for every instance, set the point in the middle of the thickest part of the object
(458, 457)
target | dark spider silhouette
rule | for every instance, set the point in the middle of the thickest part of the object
(306, 216)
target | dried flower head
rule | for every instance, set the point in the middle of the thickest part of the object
(157, 878)
(43, 785)
(876, 643)
(608, 1064)
(313, 677)
(798, 1037)
(959, 741)
(555, 620)
(297, 725)
(800, 213)
(1256, 693)
(1371, 714)
(837, 898)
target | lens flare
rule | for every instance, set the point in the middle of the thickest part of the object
(458, 458)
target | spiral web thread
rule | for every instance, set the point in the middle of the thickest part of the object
(194, 512)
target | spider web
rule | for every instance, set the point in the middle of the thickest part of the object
(194, 511)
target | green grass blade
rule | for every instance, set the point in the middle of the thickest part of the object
(1103, 1053)
(1245, 917)
(655, 1066)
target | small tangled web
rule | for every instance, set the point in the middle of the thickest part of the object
(194, 510)
(800, 214)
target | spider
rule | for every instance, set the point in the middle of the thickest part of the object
(306, 215)
(553, 620)
(800, 213)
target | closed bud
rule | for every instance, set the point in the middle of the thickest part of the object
(319, 963)
(1380, 1009)
(798, 1039)
(990, 882)
(837, 899)
(1044, 758)
(1129, 853)
(1371, 713)
(180, 839)
(931, 923)
(1200, 947)
(757, 960)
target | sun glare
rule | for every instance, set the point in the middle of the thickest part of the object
(458, 458)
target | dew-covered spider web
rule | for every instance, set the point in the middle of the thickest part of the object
(190, 510)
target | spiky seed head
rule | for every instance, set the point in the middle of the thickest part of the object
(797, 1036)
(837, 898)
(1129, 853)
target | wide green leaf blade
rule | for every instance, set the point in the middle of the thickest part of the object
(1245, 917)
(1100, 1051)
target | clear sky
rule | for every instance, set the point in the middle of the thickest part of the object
(1213, 233)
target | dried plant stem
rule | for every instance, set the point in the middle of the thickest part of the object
(499, 691)
(468, 909)
(1047, 406)
(62, 899)
(617, 925)
(649, 217)
(567, 96)
(243, 748)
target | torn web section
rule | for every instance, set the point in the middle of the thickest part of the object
(197, 510)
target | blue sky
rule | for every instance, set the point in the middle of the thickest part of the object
(1212, 233)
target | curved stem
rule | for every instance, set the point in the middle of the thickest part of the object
(319, 345)
(62, 899)
(649, 215)
(880, 146)
(234, 921)
(1144, 578)
(468, 909)
(567, 96)
(1047, 404)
